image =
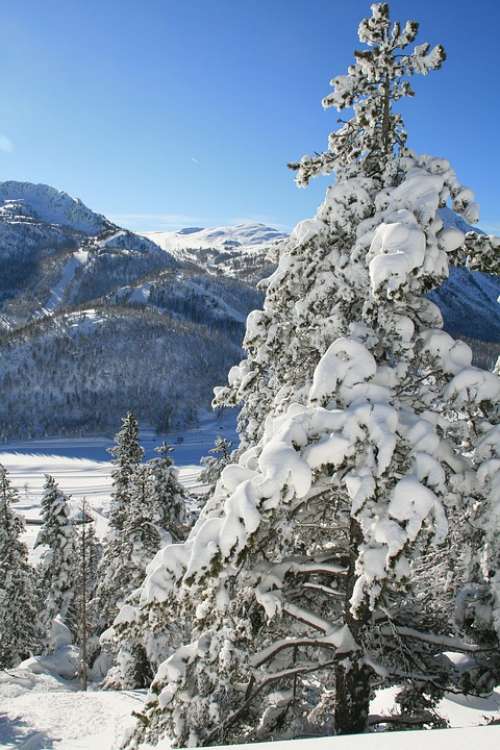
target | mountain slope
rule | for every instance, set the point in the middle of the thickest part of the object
(78, 372)
(469, 304)
(468, 300)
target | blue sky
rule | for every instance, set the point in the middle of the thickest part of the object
(164, 114)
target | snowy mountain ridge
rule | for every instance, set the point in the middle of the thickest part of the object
(45, 203)
(242, 250)
(245, 236)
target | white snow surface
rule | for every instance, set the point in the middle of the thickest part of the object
(486, 738)
(41, 712)
(38, 712)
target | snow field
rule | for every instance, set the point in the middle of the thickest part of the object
(38, 712)
(461, 739)
(82, 467)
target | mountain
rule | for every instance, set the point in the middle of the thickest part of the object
(46, 204)
(243, 251)
(54, 251)
(96, 320)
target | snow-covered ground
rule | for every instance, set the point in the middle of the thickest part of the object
(39, 712)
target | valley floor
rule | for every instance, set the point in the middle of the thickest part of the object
(39, 712)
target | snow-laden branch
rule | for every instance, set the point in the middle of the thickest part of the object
(439, 640)
(308, 618)
(324, 589)
(271, 651)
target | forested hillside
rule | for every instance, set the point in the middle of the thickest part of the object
(74, 373)
(95, 320)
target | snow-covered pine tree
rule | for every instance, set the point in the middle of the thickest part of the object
(139, 541)
(140, 532)
(19, 633)
(301, 586)
(477, 611)
(127, 455)
(137, 638)
(167, 497)
(112, 587)
(87, 557)
(57, 573)
(214, 464)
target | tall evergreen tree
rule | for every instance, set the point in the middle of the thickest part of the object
(57, 566)
(157, 516)
(88, 555)
(19, 633)
(302, 586)
(127, 455)
(113, 586)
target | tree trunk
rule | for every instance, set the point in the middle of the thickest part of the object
(352, 677)
(352, 697)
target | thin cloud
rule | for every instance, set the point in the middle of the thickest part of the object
(151, 222)
(6, 144)
(172, 222)
(195, 160)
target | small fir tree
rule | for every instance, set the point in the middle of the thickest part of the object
(19, 634)
(168, 499)
(214, 464)
(127, 455)
(57, 566)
